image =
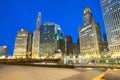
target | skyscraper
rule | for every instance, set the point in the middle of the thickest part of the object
(36, 39)
(3, 51)
(50, 33)
(68, 46)
(90, 36)
(111, 14)
(76, 49)
(23, 44)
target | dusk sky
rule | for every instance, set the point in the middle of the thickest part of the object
(17, 14)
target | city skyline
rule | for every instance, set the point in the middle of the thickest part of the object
(68, 14)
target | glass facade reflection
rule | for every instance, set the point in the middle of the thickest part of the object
(50, 33)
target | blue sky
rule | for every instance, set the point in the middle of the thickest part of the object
(17, 14)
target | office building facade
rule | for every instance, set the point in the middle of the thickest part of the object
(68, 46)
(49, 36)
(23, 44)
(3, 51)
(90, 36)
(76, 49)
(111, 15)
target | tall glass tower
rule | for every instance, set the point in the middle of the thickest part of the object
(111, 14)
(50, 33)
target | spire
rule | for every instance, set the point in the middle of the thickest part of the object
(38, 23)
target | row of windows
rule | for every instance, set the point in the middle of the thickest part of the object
(107, 4)
(115, 7)
(88, 52)
(114, 35)
(113, 1)
(108, 21)
(116, 15)
(117, 22)
(87, 46)
(22, 35)
(115, 47)
(104, 2)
